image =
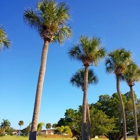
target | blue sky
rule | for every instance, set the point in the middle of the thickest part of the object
(116, 22)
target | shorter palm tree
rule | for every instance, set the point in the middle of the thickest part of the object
(5, 124)
(20, 124)
(63, 130)
(131, 76)
(48, 125)
(4, 41)
(54, 125)
(78, 80)
(40, 126)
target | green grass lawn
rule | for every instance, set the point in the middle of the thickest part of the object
(26, 138)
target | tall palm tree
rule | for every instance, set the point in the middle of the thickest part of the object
(88, 51)
(78, 80)
(4, 41)
(117, 62)
(50, 20)
(20, 124)
(131, 76)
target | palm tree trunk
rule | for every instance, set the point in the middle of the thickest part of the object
(122, 106)
(89, 122)
(39, 91)
(84, 104)
(134, 112)
(19, 130)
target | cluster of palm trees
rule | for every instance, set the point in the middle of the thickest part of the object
(118, 62)
(50, 19)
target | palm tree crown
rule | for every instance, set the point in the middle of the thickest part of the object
(132, 75)
(87, 50)
(117, 61)
(78, 78)
(21, 123)
(4, 41)
(50, 20)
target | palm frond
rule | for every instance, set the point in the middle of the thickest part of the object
(78, 78)
(32, 19)
(4, 41)
(63, 33)
(109, 65)
(75, 52)
(100, 53)
(62, 13)
(92, 78)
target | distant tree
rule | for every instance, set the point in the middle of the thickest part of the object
(88, 51)
(40, 126)
(50, 20)
(2, 132)
(110, 105)
(73, 119)
(54, 125)
(26, 130)
(116, 63)
(48, 125)
(20, 123)
(5, 124)
(4, 41)
(63, 130)
(9, 131)
(100, 122)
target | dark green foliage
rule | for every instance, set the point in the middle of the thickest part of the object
(100, 122)
(9, 131)
(26, 130)
(5, 124)
(48, 125)
(111, 107)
